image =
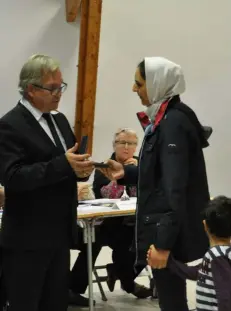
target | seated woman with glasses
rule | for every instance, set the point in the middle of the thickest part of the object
(124, 145)
(118, 232)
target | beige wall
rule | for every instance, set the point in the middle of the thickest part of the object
(195, 34)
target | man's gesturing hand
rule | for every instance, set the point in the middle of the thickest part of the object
(80, 163)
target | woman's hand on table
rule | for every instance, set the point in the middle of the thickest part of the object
(83, 190)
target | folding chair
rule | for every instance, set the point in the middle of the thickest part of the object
(100, 279)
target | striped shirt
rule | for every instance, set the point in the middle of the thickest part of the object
(206, 297)
(213, 276)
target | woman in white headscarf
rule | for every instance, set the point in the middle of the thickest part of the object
(157, 80)
(171, 179)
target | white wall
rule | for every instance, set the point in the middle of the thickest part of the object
(195, 34)
(36, 26)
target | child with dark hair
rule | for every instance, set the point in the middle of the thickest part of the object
(213, 275)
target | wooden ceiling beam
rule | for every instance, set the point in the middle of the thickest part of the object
(87, 69)
(72, 9)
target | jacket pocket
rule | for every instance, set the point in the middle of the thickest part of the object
(147, 231)
(152, 219)
(167, 231)
(160, 230)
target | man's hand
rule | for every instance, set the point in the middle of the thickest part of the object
(115, 170)
(157, 259)
(80, 163)
(131, 161)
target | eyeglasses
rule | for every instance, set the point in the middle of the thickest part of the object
(54, 91)
(123, 143)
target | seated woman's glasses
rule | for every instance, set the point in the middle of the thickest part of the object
(123, 143)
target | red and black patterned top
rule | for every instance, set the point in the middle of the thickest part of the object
(104, 188)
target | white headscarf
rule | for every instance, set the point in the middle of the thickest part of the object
(164, 79)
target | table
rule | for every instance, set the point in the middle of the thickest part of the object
(88, 219)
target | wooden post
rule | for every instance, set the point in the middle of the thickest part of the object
(87, 69)
(72, 8)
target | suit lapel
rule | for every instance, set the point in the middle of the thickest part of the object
(37, 133)
(34, 129)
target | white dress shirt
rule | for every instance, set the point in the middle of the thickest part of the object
(43, 123)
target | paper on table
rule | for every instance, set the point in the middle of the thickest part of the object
(126, 205)
(100, 201)
(89, 209)
(99, 204)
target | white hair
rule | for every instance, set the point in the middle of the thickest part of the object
(125, 130)
(34, 69)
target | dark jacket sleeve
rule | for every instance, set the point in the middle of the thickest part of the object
(221, 270)
(99, 181)
(182, 270)
(174, 153)
(17, 175)
(130, 176)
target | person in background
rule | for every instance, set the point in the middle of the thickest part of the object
(125, 142)
(171, 179)
(117, 233)
(213, 275)
(39, 167)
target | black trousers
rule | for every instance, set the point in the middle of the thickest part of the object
(118, 237)
(37, 280)
(171, 290)
(3, 298)
(79, 272)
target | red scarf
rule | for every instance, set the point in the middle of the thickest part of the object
(161, 113)
(144, 120)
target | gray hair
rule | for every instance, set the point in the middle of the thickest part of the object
(125, 130)
(34, 69)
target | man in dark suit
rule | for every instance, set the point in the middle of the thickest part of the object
(39, 168)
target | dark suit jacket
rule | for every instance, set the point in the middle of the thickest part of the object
(40, 185)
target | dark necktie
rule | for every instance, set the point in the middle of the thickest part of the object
(54, 133)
